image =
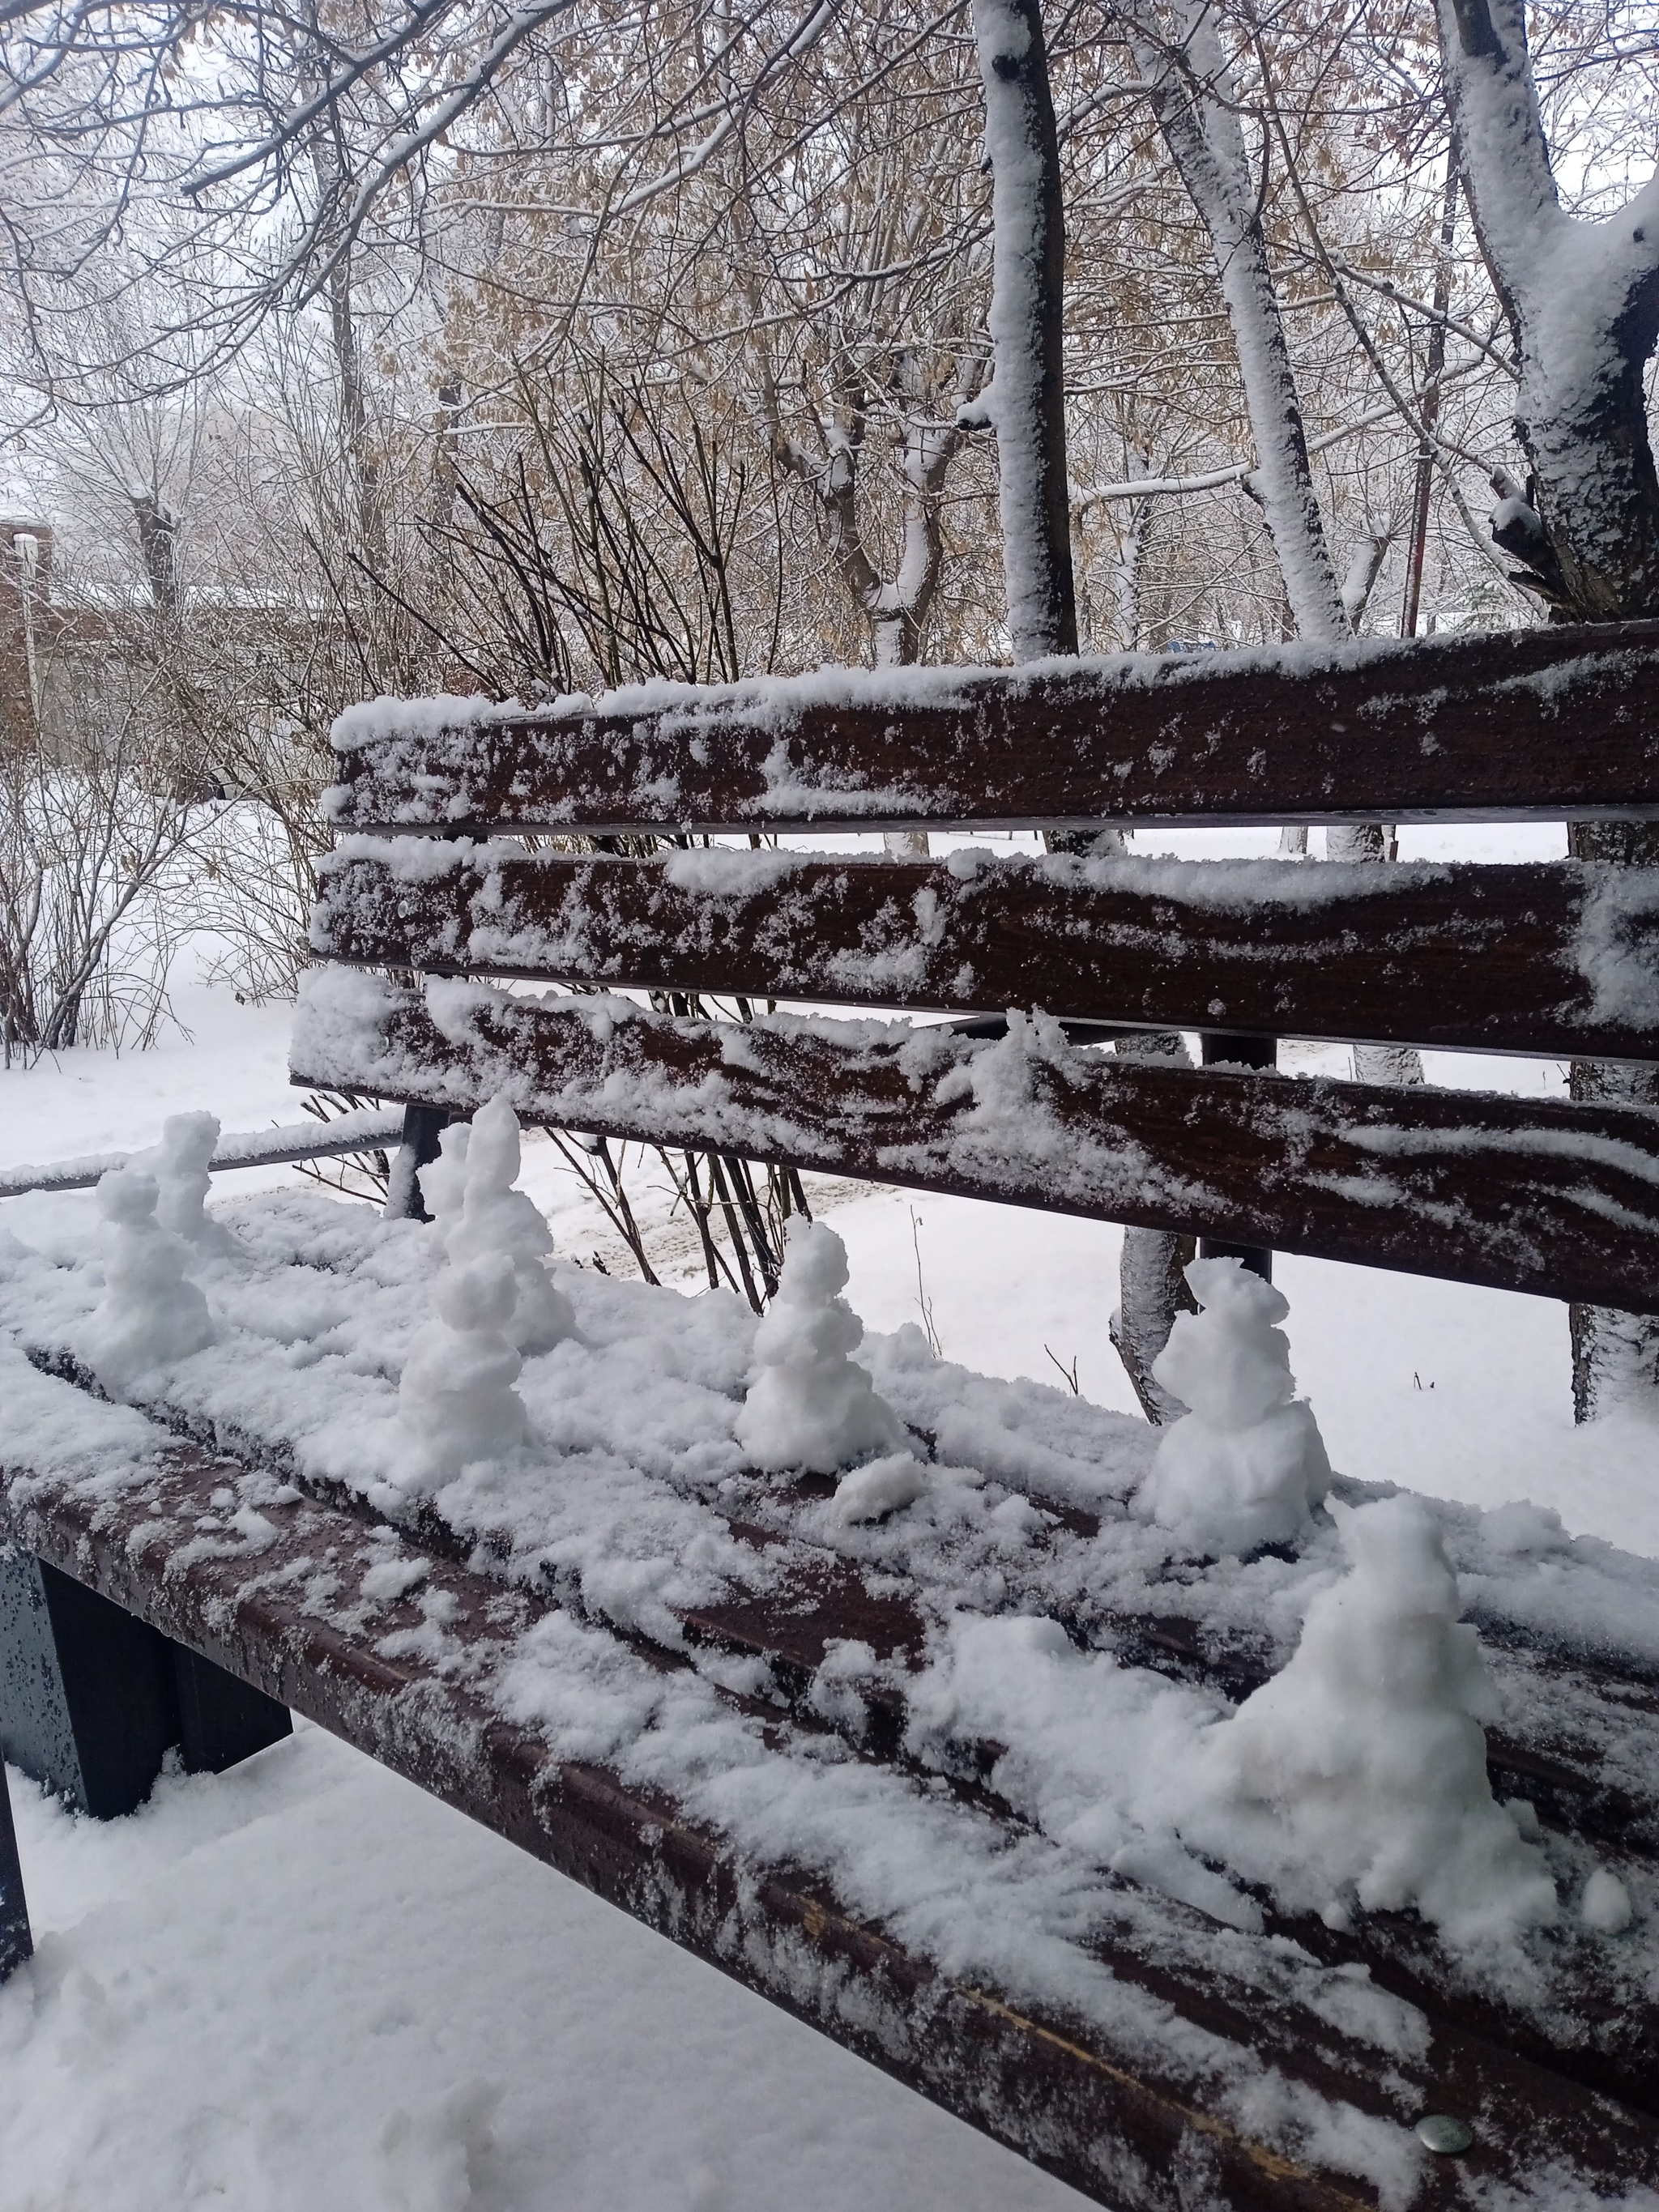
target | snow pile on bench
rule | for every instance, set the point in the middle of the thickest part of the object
(180, 1164)
(150, 1314)
(625, 1472)
(483, 1213)
(1361, 1768)
(810, 1404)
(455, 1396)
(1247, 1465)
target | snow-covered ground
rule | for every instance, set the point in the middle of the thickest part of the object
(305, 1984)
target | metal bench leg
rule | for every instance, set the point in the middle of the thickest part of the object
(423, 1126)
(92, 1699)
(17, 1944)
(222, 1720)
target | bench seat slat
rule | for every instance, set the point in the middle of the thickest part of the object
(1540, 1195)
(1507, 725)
(1486, 958)
(1114, 2118)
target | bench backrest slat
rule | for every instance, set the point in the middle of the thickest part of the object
(1530, 724)
(1523, 1194)
(1484, 958)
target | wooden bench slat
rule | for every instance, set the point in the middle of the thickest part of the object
(1559, 960)
(1540, 1195)
(1120, 2121)
(1508, 725)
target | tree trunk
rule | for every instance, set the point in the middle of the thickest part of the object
(1582, 301)
(1429, 407)
(1615, 1356)
(1026, 406)
(1187, 82)
(1189, 87)
(1026, 402)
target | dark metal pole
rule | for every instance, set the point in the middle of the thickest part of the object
(423, 1124)
(1221, 1050)
(17, 1944)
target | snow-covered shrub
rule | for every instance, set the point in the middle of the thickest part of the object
(493, 1217)
(1245, 1465)
(456, 1396)
(179, 1166)
(151, 1314)
(811, 1405)
(1360, 1770)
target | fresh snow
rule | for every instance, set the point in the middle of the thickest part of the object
(811, 1405)
(1360, 1771)
(150, 1313)
(180, 1164)
(455, 1395)
(305, 1986)
(1245, 1465)
(493, 1219)
(234, 1955)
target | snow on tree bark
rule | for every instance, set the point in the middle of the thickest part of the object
(1026, 402)
(1582, 301)
(1026, 405)
(1187, 82)
(896, 608)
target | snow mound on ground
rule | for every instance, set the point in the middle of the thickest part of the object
(456, 1398)
(151, 1314)
(1360, 1770)
(1246, 1465)
(811, 1405)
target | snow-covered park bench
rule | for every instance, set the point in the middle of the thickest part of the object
(913, 1707)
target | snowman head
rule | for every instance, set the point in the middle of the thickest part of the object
(1229, 1363)
(492, 1155)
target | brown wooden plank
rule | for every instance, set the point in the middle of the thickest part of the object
(1528, 1195)
(1140, 2127)
(1606, 2042)
(1506, 725)
(1560, 960)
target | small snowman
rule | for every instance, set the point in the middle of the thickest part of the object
(180, 1164)
(493, 1217)
(1247, 1464)
(443, 1181)
(151, 1314)
(456, 1397)
(811, 1406)
(1366, 1755)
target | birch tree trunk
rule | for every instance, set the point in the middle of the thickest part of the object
(1025, 405)
(1582, 301)
(1188, 88)
(1188, 84)
(1026, 408)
